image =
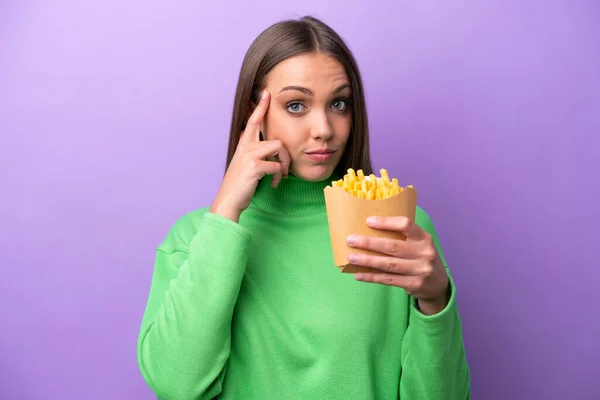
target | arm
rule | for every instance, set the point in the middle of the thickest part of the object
(184, 339)
(434, 364)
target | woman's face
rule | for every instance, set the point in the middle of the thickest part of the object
(310, 113)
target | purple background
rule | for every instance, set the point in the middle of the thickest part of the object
(113, 123)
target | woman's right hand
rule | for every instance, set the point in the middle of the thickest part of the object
(252, 160)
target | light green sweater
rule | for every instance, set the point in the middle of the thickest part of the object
(257, 310)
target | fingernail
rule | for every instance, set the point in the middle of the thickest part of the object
(371, 221)
(264, 94)
(353, 258)
(352, 239)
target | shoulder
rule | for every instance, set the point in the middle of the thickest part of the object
(183, 230)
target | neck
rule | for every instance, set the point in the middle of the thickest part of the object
(292, 197)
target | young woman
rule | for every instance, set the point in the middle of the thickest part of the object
(245, 302)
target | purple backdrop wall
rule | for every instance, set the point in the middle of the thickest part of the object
(113, 121)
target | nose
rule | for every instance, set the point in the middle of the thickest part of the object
(322, 128)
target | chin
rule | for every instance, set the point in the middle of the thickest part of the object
(314, 173)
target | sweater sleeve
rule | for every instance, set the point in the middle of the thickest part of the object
(434, 364)
(185, 335)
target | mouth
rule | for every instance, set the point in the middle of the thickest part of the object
(321, 155)
(321, 151)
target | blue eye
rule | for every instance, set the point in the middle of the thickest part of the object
(295, 108)
(339, 105)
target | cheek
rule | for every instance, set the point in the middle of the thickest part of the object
(278, 125)
(341, 126)
(272, 125)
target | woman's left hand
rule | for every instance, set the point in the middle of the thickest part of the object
(412, 264)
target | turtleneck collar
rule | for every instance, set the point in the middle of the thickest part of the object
(293, 196)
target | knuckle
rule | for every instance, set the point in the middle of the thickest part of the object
(252, 121)
(248, 146)
(416, 285)
(253, 163)
(428, 239)
(388, 280)
(363, 242)
(390, 266)
(392, 246)
(405, 223)
(428, 253)
(427, 269)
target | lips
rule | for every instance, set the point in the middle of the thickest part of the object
(321, 156)
(322, 151)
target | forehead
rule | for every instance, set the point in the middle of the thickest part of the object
(315, 71)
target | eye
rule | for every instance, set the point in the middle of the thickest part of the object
(295, 108)
(339, 105)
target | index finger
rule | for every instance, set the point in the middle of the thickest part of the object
(285, 160)
(398, 224)
(252, 131)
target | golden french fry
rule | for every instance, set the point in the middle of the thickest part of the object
(352, 174)
(369, 187)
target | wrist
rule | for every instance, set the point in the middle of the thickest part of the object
(434, 306)
(430, 308)
(224, 211)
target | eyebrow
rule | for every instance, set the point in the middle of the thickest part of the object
(308, 92)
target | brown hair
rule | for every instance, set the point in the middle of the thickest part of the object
(286, 39)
